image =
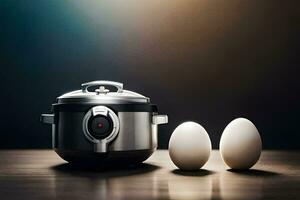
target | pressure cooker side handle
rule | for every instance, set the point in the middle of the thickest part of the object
(118, 85)
(159, 119)
(47, 118)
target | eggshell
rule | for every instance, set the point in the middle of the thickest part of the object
(189, 146)
(240, 144)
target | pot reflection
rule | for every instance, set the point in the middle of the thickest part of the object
(135, 182)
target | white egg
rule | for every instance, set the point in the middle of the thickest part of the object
(240, 144)
(189, 146)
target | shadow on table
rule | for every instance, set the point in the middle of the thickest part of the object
(254, 172)
(199, 172)
(103, 172)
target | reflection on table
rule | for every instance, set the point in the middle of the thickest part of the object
(42, 174)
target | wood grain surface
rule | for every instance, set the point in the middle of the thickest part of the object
(41, 174)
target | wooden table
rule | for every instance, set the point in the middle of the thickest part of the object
(41, 174)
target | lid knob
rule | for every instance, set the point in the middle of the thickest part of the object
(102, 90)
(85, 86)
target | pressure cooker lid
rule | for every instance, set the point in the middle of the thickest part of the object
(97, 92)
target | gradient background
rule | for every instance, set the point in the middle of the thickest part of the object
(205, 60)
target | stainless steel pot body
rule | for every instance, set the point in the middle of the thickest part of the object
(137, 132)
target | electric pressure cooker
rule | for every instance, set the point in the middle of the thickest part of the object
(96, 125)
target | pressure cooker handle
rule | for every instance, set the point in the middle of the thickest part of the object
(47, 118)
(118, 85)
(159, 119)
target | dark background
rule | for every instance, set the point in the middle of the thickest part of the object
(203, 60)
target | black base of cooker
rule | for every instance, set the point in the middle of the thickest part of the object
(115, 158)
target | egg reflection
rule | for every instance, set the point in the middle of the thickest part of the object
(238, 186)
(190, 187)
